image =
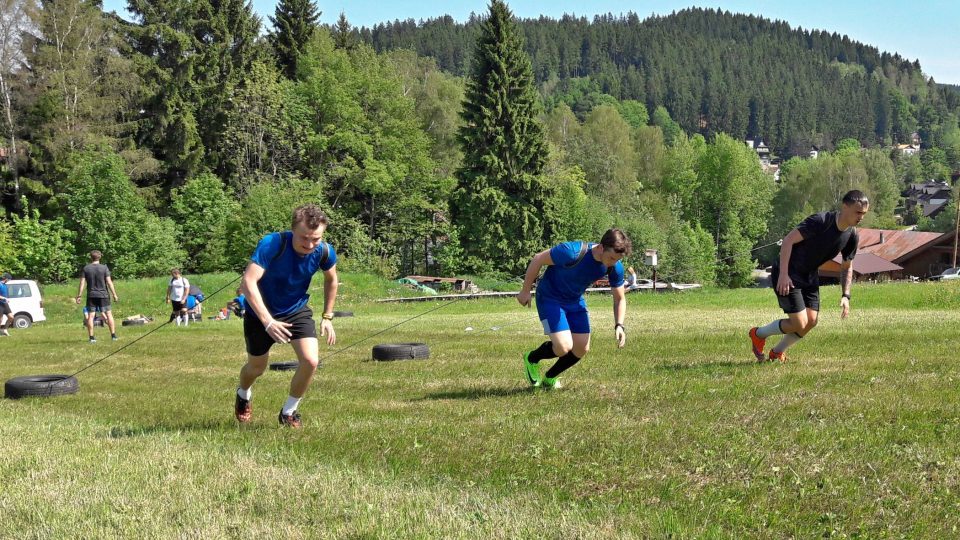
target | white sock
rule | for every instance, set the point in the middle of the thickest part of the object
(178, 320)
(769, 330)
(186, 320)
(291, 405)
(245, 394)
(786, 342)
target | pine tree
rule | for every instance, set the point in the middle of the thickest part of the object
(343, 36)
(500, 196)
(293, 26)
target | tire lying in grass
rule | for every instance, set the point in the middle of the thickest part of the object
(284, 366)
(400, 351)
(133, 322)
(342, 314)
(40, 385)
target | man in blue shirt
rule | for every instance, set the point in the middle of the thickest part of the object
(238, 305)
(275, 287)
(5, 310)
(571, 268)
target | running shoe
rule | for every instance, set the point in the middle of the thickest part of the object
(532, 370)
(781, 356)
(243, 410)
(290, 420)
(551, 383)
(758, 343)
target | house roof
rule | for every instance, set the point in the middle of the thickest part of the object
(868, 263)
(896, 245)
(931, 210)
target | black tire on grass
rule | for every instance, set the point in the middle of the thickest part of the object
(401, 351)
(133, 322)
(342, 314)
(40, 386)
(284, 366)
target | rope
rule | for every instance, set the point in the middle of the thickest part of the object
(50, 385)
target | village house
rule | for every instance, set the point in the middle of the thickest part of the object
(895, 254)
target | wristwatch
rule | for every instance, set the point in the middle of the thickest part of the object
(327, 316)
(621, 326)
(846, 295)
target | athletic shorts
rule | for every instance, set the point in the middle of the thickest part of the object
(259, 341)
(178, 306)
(98, 305)
(5, 309)
(799, 298)
(560, 316)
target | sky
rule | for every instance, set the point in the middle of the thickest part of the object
(916, 30)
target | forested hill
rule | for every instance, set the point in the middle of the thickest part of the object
(715, 71)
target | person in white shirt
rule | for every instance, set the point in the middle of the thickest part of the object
(177, 292)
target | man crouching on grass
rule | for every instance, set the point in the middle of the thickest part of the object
(275, 284)
(571, 268)
(816, 240)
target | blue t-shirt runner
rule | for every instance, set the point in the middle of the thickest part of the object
(571, 268)
(287, 274)
(275, 286)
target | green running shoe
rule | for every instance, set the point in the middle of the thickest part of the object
(532, 370)
(553, 383)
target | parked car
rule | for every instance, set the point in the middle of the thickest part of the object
(25, 302)
(949, 273)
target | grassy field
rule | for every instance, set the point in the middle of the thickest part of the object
(678, 435)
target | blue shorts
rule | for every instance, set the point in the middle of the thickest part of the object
(559, 316)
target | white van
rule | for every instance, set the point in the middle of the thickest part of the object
(25, 302)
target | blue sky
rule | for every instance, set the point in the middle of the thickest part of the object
(923, 30)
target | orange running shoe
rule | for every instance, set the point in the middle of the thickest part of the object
(781, 356)
(758, 344)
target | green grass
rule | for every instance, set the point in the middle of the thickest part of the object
(677, 435)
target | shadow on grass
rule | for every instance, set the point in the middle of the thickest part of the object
(708, 366)
(123, 432)
(478, 393)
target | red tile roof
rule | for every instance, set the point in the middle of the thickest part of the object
(868, 263)
(896, 245)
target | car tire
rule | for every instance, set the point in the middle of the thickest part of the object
(22, 320)
(284, 366)
(133, 322)
(337, 314)
(401, 351)
(40, 386)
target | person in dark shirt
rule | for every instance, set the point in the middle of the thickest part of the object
(96, 276)
(816, 240)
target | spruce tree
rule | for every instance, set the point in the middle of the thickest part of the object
(293, 26)
(343, 36)
(499, 197)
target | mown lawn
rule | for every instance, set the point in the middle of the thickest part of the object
(677, 435)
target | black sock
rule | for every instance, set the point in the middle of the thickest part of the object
(542, 352)
(564, 363)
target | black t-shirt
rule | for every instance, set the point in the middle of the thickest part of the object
(822, 240)
(96, 276)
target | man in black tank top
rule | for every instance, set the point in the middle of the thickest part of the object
(816, 240)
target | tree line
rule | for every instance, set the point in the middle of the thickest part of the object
(714, 71)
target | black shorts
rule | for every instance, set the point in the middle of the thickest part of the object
(799, 298)
(259, 341)
(101, 305)
(5, 309)
(178, 306)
